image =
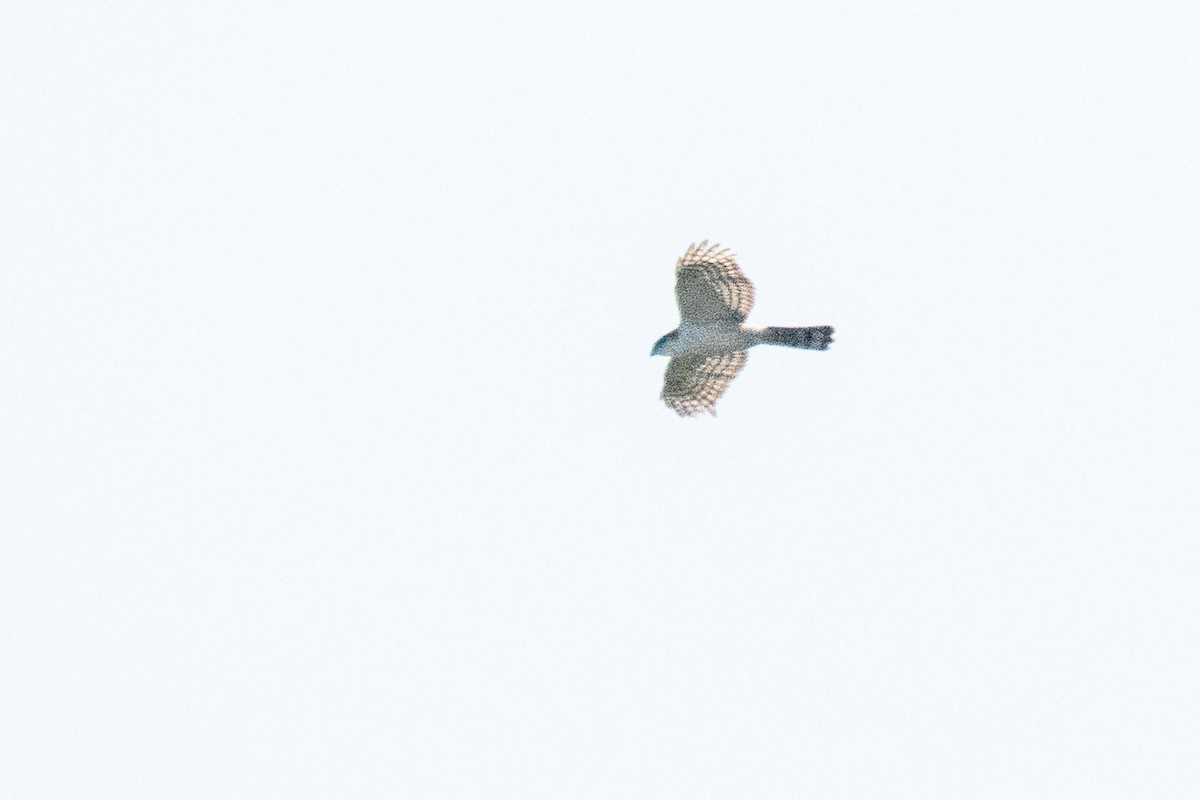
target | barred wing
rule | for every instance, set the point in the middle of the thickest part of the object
(694, 383)
(710, 287)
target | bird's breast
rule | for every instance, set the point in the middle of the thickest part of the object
(711, 338)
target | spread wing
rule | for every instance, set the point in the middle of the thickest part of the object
(694, 383)
(709, 286)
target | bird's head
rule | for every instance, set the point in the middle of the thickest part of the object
(660, 347)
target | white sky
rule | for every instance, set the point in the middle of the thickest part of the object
(333, 463)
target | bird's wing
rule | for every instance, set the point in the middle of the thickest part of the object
(709, 286)
(694, 383)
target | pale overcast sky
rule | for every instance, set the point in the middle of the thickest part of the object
(333, 463)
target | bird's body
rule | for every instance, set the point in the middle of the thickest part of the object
(708, 349)
(709, 339)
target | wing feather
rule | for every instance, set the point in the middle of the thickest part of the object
(693, 384)
(710, 287)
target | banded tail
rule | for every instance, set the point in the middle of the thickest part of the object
(817, 338)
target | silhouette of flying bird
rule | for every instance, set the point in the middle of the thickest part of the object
(708, 349)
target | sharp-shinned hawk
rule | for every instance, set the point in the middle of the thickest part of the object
(708, 349)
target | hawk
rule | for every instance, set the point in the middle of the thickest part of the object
(708, 349)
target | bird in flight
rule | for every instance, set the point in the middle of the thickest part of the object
(708, 349)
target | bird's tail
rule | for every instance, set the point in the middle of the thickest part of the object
(818, 338)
